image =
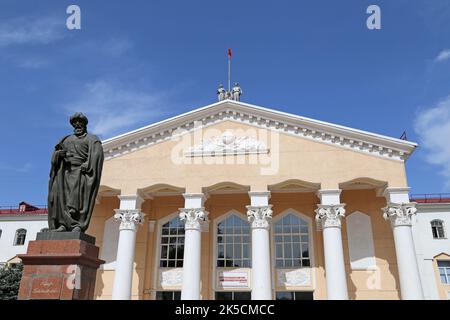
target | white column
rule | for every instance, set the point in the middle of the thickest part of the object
(399, 211)
(195, 218)
(129, 215)
(259, 215)
(328, 217)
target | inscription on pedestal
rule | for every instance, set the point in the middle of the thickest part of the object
(46, 288)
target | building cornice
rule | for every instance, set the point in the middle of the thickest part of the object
(319, 131)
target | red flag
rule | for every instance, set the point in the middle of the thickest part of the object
(229, 53)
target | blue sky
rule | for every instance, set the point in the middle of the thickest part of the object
(133, 63)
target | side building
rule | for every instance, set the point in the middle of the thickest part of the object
(431, 237)
(17, 227)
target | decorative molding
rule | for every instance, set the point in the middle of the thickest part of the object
(259, 217)
(227, 144)
(343, 137)
(329, 215)
(194, 218)
(169, 278)
(294, 277)
(400, 214)
(128, 219)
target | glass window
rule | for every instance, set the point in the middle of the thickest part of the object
(233, 295)
(172, 244)
(444, 271)
(294, 295)
(233, 243)
(21, 235)
(168, 295)
(437, 228)
(291, 242)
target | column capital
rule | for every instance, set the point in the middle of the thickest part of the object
(194, 218)
(129, 218)
(130, 201)
(399, 214)
(396, 195)
(194, 200)
(329, 196)
(329, 215)
(259, 216)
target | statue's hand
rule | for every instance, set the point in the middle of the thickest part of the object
(84, 167)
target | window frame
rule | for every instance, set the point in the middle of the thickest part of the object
(442, 225)
(233, 293)
(157, 254)
(173, 292)
(446, 271)
(311, 235)
(216, 222)
(16, 237)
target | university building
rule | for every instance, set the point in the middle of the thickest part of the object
(237, 201)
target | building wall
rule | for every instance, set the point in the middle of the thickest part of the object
(290, 158)
(429, 250)
(9, 224)
(381, 283)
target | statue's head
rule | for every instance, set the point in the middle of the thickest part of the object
(236, 84)
(220, 86)
(79, 123)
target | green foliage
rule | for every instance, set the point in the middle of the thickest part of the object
(10, 281)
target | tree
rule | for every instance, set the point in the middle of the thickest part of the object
(9, 281)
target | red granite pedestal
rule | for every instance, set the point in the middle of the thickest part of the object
(59, 269)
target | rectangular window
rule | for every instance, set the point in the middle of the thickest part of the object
(168, 295)
(294, 295)
(444, 271)
(172, 244)
(233, 295)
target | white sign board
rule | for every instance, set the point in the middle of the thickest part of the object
(233, 279)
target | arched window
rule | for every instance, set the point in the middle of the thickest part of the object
(291, 242)
(437, 228)
(19, 239)
(233, 243)
(172, 244)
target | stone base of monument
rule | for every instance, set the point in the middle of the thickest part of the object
(60, 265)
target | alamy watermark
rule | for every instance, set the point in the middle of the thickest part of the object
(374, 20)
(73, 21)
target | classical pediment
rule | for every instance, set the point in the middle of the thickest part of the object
(323, 132)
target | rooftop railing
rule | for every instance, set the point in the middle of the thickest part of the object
(431, 198)
(16, 209)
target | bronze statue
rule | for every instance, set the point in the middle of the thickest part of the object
(76, 168)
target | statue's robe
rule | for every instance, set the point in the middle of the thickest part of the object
(72, 193)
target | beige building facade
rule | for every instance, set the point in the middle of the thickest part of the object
(236, 201)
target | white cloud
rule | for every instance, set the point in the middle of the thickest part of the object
(32, 63)
(116, 47)
(112, 107)
(42, 30)
(443, 55)
(22, 169)
(433, 127)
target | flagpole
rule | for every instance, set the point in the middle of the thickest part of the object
(229, 72)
